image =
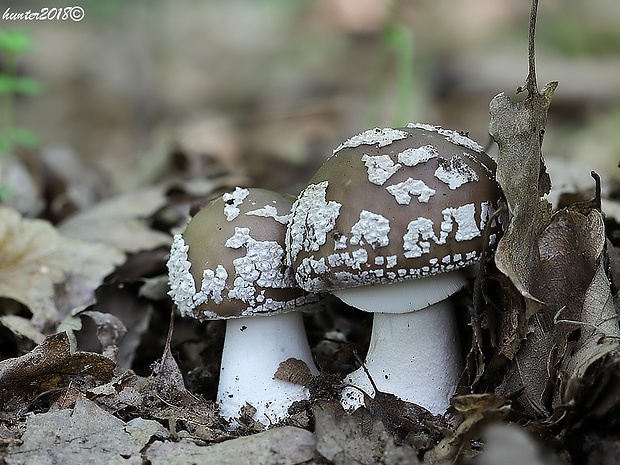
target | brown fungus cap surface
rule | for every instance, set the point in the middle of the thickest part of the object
(392, 205)
(229, 261)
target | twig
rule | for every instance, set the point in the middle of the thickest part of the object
(531, 84)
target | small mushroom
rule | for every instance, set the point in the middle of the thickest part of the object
(229, 264)
(386, 224)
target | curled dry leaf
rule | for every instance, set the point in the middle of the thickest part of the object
(578, 324)
(46, 271)
(517, 128)
(165, 397)
(121, 221)
(22, 327)
(49, 365)
(554, 261)
(478, 411)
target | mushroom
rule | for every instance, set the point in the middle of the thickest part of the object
(229, 264)
(386, 224)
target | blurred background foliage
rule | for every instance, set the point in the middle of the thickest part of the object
(269, 88)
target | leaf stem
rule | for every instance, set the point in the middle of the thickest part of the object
(531, 84)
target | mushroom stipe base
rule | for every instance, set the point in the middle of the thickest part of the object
(253, 349)
(414, 355)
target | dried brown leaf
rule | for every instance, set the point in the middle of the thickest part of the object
(294, 371)
(166, 398)
(121, 221)
(600, 334)
(478, 410)
(47, 272)
(84, 434)
(566, 334)
(356, 439)
(517, 128)
(49, 365)
(22, 327)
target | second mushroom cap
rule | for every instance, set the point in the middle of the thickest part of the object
(392, 205)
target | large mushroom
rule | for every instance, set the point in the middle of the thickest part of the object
(229, 264)
(386, 224)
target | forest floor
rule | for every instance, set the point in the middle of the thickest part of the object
(149, 108)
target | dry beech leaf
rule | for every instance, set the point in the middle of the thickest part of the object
(294, 371)
(22, 327)
(121, 221)
(49, 365)
(478, 411)
(357, 438)
(84, 434)
(165, 397)
(517, 128)
(277, 446)
(599, 329)
(47, 272)
(578, 324)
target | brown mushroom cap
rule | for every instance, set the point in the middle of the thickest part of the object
(392, 205)
(229, 261)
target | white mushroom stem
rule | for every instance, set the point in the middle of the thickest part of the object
(254, 347)
(414, 355)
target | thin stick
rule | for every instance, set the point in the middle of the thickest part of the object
(530, 84)
(372, 381)
(531, 77)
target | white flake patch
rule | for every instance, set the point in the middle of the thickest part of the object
(360, 256)
(269, 211)
(354, 260)
(412, 157)
(239, 239)
(180, 280)
(340, 242)
(420, 231)
(452, 136)
(486, 211)
(261, 266)
(416, 239)
(403, 191)
(376, 136)
(465, 217)
(213, 284)
(232, 200)
(319, 266)
(455, 172)
(372, 228)
(380, 168)
(312, 218)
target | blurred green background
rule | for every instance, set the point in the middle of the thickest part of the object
(270, 87)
